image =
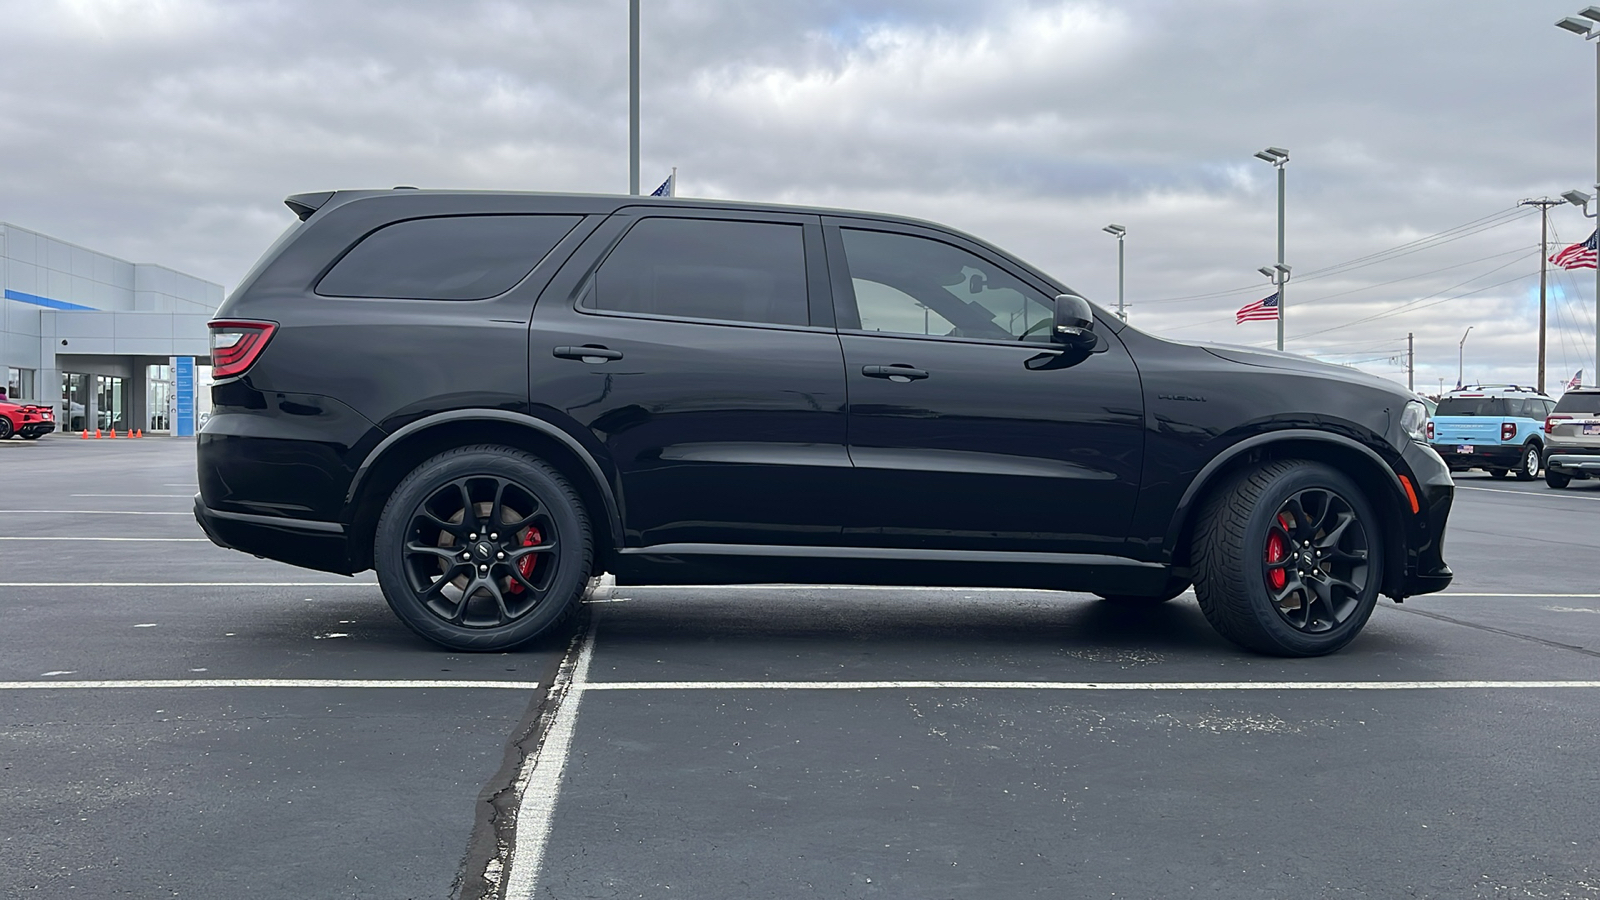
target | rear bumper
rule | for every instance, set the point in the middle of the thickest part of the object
(1496, 455)
(302, 542)
(36, 429)
(1587, 463)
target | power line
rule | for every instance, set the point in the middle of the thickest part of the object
(1412, 306)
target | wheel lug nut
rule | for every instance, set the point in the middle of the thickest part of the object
(473, 536)
(494, 537)
(500, 555)
(483, 568)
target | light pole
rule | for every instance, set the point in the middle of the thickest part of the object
(1279, 274)
(1119, 232)
(1279, 158)
(1461, 354)
(633, 97)
(1589, 28)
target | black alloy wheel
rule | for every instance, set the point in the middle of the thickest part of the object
(1289, 559)
(1529, 470)
(483, 548)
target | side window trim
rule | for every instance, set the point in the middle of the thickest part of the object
(620, 223)
(848, 314)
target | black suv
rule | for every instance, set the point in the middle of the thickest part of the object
(490, 398)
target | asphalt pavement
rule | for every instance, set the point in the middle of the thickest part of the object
(181, 720)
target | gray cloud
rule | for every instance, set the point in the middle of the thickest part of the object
(170, 132)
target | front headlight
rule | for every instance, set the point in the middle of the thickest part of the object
(1414, 420)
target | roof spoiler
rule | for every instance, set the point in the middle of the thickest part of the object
(303, 205)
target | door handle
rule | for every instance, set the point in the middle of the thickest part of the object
(589, 353)
(899, 372)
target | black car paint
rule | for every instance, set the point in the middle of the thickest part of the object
(722, 452)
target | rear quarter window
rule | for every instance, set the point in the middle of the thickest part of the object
(445, 258)
(1579, 402)
(1471, 406)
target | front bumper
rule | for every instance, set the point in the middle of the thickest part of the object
(1425, 568)
(300, 542)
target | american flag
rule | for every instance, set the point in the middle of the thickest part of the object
(666, 188)
(1578, 256)
(1576, 381)
(1265, 310)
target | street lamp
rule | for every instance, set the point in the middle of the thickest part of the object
(1588, 27)
(1461, 353)
(1279, 158)
(1119, 233)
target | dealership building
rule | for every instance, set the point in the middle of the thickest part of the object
(110, 343)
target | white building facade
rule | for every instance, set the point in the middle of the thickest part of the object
(111, 343)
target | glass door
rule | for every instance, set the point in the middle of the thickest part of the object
(160, 400)
(110, 403)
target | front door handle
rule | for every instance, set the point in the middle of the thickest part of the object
(589, 353)
(899, 372)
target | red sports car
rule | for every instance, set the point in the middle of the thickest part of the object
(30, 420)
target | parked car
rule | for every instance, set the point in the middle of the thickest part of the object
(30, 421)
(1572, 438)
(490, 398)
(1498, 428)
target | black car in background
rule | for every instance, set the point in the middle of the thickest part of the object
(490, 398)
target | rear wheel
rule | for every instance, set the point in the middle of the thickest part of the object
(1556, 479)
(1498, 473)
(483, 548)
(1288, 559)
(1529, 469)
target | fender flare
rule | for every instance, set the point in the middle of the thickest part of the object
(1207, 474)
(596, 474)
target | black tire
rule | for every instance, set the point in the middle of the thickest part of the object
(1233, 548)
(496, 592)
(1171, 591)
(1499, 473)
(1528, 469)
(5, 428)
(1557, 480)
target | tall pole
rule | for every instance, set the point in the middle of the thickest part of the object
(1411, 362)
(1283, 283)
(1461, 354)
(1544, 204)
(1596, 374)
(633, 97)
(1122, 306)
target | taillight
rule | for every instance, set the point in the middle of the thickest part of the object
(1550, 423)
(235, 344)
(1508, 430)
(1430, 429)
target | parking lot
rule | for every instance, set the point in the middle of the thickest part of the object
(180, 720)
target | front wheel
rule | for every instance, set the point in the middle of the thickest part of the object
(1557, 480)
(1529, 469)
(1288, 559)
(483, 548)
(5, 428)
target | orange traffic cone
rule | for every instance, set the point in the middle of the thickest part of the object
(113, 434)
(85, 435)
(140, 434)
(97, 434)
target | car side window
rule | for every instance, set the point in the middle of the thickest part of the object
(445, 257)
(706, 269)
(905, 284)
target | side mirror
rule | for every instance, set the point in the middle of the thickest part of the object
(1074, 325)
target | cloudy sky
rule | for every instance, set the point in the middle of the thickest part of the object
(169, 131)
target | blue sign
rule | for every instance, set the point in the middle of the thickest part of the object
(183, 375)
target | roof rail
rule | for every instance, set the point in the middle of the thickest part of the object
(1521, 388)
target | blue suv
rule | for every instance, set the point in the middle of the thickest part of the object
(1497, 428)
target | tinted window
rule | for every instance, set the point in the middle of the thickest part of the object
(912, 285)
(707, 269)
(1472, 406)
(1579, 402)
(451, 258)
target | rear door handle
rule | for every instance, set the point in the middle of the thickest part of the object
(589, 353)
(899, 372)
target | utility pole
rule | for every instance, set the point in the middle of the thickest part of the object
(1411, 362)
(633, 97)
(1544, 204)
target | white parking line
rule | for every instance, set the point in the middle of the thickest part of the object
(140, 540)
(1456, 594)
(1550, 494)
(91, 512)
(260, 683)
(1082, 685)
(168, 496)
(147, 584)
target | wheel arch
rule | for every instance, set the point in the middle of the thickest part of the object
(407, 447)
(1363, 464)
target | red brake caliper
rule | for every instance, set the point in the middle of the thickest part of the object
(530, 538)
(1277, 552)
